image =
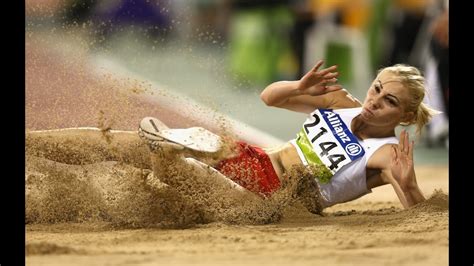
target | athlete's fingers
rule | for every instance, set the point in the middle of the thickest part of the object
(401, 142)
(333, 80)
(331, 75)
(410, 150)
(407, 143)
(318, 65)
(325, 71)
(332, 88)
(399, 154)
(394, 154)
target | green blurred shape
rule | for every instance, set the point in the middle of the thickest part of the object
(338, 53)
(375, 29)
(259, 45)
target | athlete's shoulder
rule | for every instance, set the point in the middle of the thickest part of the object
(381, 159)
(342, 99)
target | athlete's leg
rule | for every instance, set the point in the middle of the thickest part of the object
(169, 161)
(88, 145)
(199, 183)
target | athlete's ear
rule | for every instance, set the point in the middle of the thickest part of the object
(408, 117)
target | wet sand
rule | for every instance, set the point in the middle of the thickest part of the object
(371, 230)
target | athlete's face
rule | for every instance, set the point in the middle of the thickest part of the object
(386, 101)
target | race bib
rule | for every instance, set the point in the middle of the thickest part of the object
(326, 140)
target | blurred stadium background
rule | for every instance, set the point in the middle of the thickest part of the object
(223, 53)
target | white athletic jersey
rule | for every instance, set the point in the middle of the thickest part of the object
(344, 155)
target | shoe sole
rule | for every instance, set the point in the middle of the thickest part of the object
(153, 130)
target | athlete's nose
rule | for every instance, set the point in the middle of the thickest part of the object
(375, 104)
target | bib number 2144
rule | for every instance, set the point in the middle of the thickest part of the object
(325, 146)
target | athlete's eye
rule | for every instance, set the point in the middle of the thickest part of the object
(391, 101)
(377, 88)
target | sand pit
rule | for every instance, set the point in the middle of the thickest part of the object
(359, 233)
(91, 211)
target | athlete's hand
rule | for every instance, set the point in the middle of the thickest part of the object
(318, 82)
(402, 166)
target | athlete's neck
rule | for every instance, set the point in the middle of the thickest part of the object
(365, 131)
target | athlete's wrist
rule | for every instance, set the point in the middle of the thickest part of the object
(298, 87)
(409, 186)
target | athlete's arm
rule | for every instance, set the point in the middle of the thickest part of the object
(408, 195)
(403, 171)
(310, 92)
(398, 170)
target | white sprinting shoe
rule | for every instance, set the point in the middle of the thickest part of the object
(149, 131)
(156, 133)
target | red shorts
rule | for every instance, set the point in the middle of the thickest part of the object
(252, 169)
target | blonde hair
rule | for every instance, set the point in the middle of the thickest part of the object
(412, 79)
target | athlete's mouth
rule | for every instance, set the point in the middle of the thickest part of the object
(368, 111)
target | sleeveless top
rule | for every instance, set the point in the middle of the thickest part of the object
(349, 182)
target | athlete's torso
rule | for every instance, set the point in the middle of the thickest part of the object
(284, 158)
(348, 183)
